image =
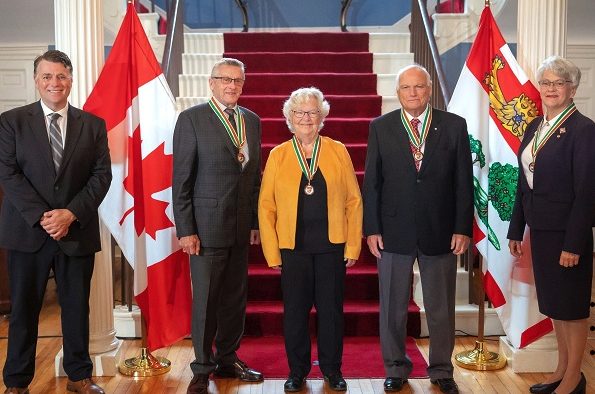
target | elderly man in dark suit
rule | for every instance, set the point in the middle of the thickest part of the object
(55, 170)
(216, 181)
(418, 205)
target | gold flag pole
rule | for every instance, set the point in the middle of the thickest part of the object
(144, 364)
(480, 358)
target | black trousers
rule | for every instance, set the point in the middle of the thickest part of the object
(28, 275)
(313, 279)
(220, 292)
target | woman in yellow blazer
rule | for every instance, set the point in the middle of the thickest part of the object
(310, 218)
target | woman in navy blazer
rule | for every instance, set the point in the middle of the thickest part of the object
(556, 200)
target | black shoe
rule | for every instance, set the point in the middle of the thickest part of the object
(544, 388)
(447, 385)
(198, 384)
(336, 382)
(394, 384)
(293, 385)
(238, 370)
(580, 388)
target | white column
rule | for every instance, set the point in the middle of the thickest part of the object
(541, 32)
(79, 33)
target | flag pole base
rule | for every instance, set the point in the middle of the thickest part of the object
(144, 364)
(480, 359)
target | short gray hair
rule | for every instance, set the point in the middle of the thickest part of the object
(304, 95)
(411, 66)
(227, 61)
(563, 68)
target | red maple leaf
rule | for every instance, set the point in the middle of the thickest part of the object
(146, 177)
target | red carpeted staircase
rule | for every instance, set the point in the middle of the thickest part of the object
(340, 65)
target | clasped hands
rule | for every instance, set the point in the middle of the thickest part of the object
(57, 222)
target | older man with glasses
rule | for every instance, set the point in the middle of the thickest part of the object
(216, 181)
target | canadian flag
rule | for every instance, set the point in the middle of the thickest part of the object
(498, 101)
(132, 96)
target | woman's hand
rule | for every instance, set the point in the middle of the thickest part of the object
(515, 248)
(350, 263)
(277, 267)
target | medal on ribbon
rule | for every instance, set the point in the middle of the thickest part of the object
(539, 141)
(237, 137)
(417, 140)
(308, 171)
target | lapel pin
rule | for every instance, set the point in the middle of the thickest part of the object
(562, 130)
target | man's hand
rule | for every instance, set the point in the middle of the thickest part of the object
(375, 244)
(190, 244)
(459, 244)
(568, 259)
(57, 222)
(515, 248)
(254, 237)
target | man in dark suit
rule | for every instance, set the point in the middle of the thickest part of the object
(216, 181)
(418, 205)
(55, 170)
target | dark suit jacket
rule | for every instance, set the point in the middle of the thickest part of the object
(212, 196)
(31, 186)
(409, 208)
(563, 195)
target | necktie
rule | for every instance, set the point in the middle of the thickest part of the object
(56, 140)
(415, 123)
(232, 119)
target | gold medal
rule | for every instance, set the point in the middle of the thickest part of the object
(241, 157)
(418, 156)
(532, 166)
(309, 190)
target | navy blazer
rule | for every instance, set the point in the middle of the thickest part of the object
(213, 196)
(32, 187)
(409, 208)
(563, 195)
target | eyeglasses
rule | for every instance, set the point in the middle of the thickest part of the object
(312, 114)
(557, 84)
(227, 80)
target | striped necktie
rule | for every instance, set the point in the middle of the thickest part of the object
(415, 123)
(56, 140)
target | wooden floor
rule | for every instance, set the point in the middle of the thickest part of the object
(180, 354)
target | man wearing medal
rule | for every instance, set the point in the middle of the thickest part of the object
(555, 199)
(418, 206)
(216, 181)
(310, 215)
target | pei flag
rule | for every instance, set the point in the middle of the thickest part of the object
(498, 101)
(132, 96)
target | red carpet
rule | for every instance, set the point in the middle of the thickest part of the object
(361, 358)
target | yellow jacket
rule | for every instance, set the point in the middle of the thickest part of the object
(277, 205)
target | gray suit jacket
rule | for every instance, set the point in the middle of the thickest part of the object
(32, 187)
(213, 196)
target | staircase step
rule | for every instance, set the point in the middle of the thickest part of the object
(305, 62)
(361, 283)
(283, 84)
(296, 41)
(353, 62)
(388, 104)
(361, 318)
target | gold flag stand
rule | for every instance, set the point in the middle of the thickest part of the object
(145, 364)
(480, 358)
